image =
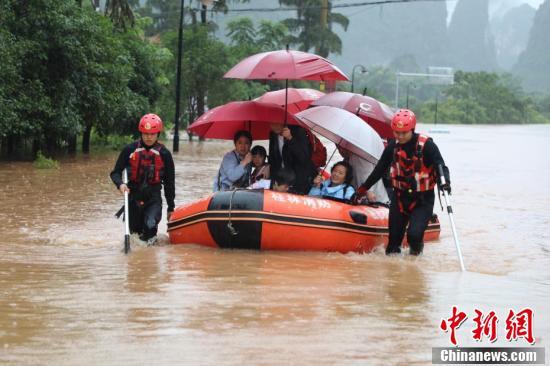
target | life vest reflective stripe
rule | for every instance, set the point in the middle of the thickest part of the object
(146, 165)
(410, 173)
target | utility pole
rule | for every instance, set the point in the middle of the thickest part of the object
(176, 145)
(324, 14)
(397, 89)
(321, 49)
(436, 101)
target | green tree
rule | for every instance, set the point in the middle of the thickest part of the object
(73, 75)
(312, 28)
(242, 32)
(481, 97)
(203, 65)
(167, 12)
(10, 54)
(120, 12)
(272, 35)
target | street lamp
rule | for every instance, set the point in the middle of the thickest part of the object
(408, 86)
(176, 147)
(363, 70)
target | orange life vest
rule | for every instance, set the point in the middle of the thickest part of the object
(410, 174)
(146, 165)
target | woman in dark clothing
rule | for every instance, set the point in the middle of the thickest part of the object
(289, 147)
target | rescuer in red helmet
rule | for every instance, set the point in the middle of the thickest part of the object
(413, 160)
(150, 166)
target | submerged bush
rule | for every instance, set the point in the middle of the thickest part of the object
(43, 162)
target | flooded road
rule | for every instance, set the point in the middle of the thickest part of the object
(68, 295)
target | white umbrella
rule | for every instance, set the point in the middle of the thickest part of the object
(345, 129)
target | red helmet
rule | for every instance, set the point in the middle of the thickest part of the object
(404, 120)
(150, 123)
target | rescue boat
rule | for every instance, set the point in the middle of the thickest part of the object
(269, 220)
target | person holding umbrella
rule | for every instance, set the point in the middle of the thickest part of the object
(289, 148)
(413, 160)
(150, 166)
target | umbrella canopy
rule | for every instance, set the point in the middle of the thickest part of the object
(344, 129)
(286, 64)
(377, 114)
(224, 121)
(298, 99)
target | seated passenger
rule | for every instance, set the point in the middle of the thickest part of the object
(235, 168)
(259, 165)
(281, 181)
(361, 170)
(338, 186)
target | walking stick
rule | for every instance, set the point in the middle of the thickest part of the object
(126, 214)
(450, 212)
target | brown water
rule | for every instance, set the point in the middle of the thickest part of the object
(69, 296)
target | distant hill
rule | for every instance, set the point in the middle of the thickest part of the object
(534, 63)
(511, 32)
(384, 34)
(472, 46)
(378, 35)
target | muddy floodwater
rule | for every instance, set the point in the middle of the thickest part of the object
(69, 296)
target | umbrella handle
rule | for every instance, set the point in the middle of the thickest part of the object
(286, 100)
(329, 159)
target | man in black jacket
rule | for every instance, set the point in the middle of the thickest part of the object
(413, 160)
(289, 147)
(150, 165)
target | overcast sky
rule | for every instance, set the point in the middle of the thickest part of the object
(498, 6)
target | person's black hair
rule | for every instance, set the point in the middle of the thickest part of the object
(258, 150)
(284, 176)
(240, 134)
(349, 170)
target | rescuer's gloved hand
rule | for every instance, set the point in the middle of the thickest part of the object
(360, 194)
(445, 187)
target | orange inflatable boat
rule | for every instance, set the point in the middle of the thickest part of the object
(268, 220)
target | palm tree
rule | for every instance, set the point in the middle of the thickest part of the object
(313, 26)
(120, 11)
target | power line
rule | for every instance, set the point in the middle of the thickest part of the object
(334, 6)
(363, 3)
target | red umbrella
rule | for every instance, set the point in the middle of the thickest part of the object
(377, 114)
(286, 64)
(222, 122)
(298, 99)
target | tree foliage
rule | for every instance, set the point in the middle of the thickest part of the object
(308, 29)
(76, 73)
(481, 98)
